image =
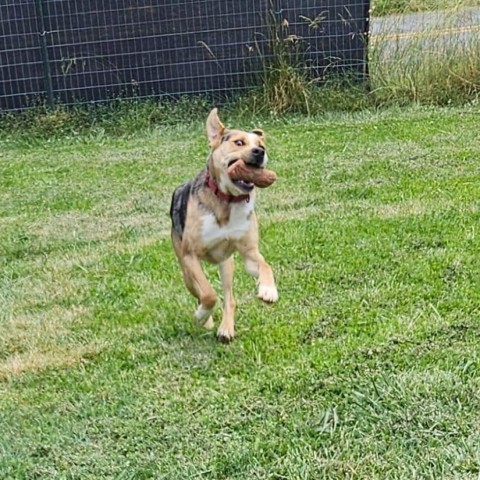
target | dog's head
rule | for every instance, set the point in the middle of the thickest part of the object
(228, 146)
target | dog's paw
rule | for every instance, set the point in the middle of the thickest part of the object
(209, 323)
(268, 293)
(202, 315)
(225, 333)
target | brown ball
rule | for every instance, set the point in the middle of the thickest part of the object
(260, 177)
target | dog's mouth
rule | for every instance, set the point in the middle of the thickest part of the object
(253, 165)
(241, 184)
(231, 162)
(245, 186)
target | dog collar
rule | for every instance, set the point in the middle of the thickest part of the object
(212, 185)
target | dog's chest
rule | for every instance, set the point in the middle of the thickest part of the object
(238, 224)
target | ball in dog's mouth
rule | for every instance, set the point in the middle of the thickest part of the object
(245, 186)
(252, 165)
(244, 175)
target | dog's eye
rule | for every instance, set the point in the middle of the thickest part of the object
(239, 143)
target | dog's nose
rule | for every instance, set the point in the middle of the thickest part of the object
(258, 154)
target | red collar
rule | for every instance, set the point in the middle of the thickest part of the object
(212, 185)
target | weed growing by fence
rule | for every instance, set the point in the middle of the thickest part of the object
(437, 65)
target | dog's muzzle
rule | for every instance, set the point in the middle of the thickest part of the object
(257, 156)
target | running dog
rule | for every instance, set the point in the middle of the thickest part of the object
(213, 217)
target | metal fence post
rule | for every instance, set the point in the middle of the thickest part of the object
(43, 44)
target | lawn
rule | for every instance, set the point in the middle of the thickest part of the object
(366, 368)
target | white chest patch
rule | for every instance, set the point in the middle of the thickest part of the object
(238, 224)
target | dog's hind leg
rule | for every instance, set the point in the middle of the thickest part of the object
(226, 329)
(197, 284)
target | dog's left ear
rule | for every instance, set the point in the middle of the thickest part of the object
(259, 132)
(215, 128)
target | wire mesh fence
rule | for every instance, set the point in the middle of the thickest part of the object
(68, 51)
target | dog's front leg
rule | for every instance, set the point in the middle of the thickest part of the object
(256, 266)
(198, 285)
(226, 329)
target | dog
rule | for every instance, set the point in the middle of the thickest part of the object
(213, 217)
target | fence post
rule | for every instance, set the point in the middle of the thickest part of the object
(368, 8)
(43, 44)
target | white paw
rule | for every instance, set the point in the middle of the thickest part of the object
(268, 293)
(202, 315)
(209, 323)
(225, 333)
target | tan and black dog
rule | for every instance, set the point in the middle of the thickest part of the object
(213, 217)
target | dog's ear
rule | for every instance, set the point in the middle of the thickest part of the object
(260, 133)
(215, 128)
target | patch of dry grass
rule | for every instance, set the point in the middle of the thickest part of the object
(32, 341)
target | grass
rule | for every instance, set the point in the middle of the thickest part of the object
(367, 367)
(392, 7)
(434, 63)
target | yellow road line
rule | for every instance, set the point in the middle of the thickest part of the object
(425, 33)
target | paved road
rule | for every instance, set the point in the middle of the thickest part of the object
(461, 25)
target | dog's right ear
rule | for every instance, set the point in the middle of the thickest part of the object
(215, 128)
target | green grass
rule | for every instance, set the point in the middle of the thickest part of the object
(437, 63)
(368, 366)
(389, 7)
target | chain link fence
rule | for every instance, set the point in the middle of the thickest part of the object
(68, 51)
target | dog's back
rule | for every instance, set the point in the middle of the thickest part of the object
(179, 204)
